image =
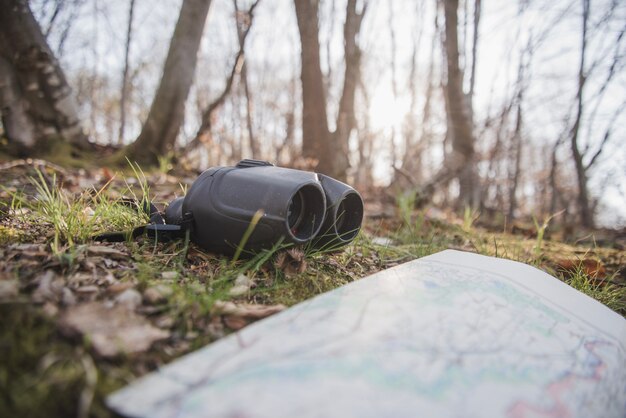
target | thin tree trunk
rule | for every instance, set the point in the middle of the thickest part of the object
(124, 92)
(242, 32)
(159, 131)
(554, 187)
(38, 105)
(328, 77)
(414, 142)
(461, 162)
(586, 215)
(517, 144)
(477, 10)
(394, 83)
(315, 134)
(346, 120)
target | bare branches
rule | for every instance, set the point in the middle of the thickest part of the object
(244, 24)
(606, 136)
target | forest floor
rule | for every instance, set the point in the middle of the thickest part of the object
(80, 319)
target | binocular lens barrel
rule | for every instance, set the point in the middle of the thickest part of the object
(348, 217)
(344, 214)
(305, 213)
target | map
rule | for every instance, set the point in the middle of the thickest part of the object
(449, 335)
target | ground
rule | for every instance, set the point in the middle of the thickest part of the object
(81, 318)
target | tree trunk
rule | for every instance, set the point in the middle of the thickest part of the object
(36, 101)
(315, 134)
(124, 91)
(517, 149)
(461, 162)
(586, 215)
(393, 152)
(330, 149)
(346, 120)
(242, 32)
(159, 131)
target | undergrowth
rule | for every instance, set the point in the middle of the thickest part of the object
(40, 371)
(604, 291)
(77, 219)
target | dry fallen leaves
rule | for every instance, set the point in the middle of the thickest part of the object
(107, 251)
(237, 316)
(291, 261)
(157, 294)
(111, 331)
(8, 289)
(589, 266)
(242, 285)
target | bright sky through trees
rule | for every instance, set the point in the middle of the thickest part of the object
(92, 52)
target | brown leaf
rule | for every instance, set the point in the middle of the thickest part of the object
(129, 299)
(157, 294)
(245, 310)
(8, 289)
(291, 261)
(243, 284)
(29, 250)
(106, 251)
(589, 266)
(119, 287)
(50, 288)
(111, 331)
(235, 322)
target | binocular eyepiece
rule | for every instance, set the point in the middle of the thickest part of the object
(295, 206)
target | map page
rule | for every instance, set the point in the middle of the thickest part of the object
(449, 335)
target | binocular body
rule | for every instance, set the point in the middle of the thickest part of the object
(292, 206)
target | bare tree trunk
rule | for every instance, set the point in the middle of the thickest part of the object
(517, 144)
(315, 134)
(329, 149)
(364, 176)
(477, 10)
(461, 162)
(328, 77)
(124, 91)
(554, 187)
(242, 31)
(18, 124)
(159, 132)
(586, 215)
(394, 83)
(414, 145)
(36, 100)
(346, 120)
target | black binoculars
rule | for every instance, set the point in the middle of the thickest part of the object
(289, 206)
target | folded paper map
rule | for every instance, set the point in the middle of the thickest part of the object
(450, 335)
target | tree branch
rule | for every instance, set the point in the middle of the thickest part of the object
(207, 115)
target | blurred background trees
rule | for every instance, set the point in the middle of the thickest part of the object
(515, 109)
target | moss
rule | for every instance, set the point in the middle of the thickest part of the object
(37, 373)
(9, 235)
(66, 154)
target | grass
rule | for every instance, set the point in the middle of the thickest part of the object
(76, 219)
(41, 371)
(541, 230)
(604, 291)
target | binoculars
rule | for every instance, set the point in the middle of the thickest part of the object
(289, 206)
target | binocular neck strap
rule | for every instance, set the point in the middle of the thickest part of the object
(157, 229)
